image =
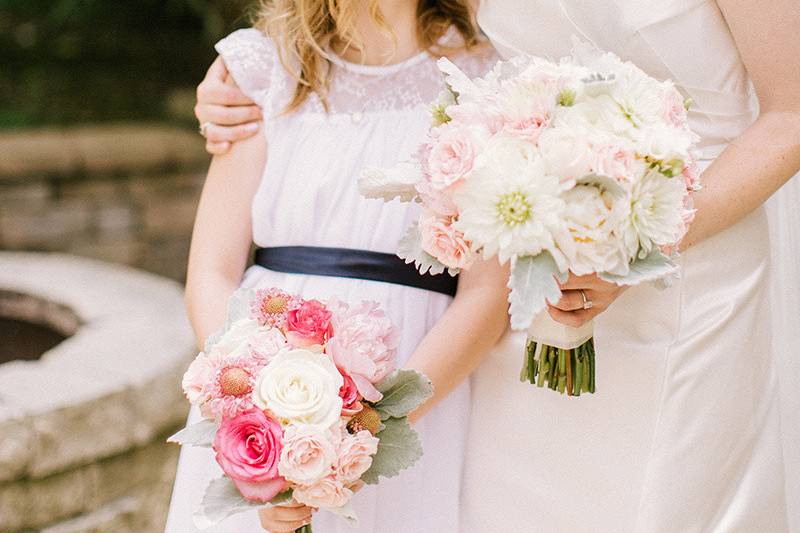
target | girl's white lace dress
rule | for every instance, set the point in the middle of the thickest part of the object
(309, 196)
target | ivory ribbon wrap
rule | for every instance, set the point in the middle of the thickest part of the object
(544, 330)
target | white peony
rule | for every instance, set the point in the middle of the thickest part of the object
(301, 387)
(509, 206)
(593, 216)
(655, 214)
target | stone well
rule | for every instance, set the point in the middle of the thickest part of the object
(82, 426)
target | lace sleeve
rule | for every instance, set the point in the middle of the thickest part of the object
(251, 58)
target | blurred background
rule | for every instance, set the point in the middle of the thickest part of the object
(100, 171)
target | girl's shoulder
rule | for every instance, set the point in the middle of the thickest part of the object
(251, 58)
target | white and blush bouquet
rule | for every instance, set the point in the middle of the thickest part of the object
(583, 165)
(301, 401)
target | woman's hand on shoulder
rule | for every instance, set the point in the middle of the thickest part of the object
(225, 113)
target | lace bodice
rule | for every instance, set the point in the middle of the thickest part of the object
(355, 89)
(378, 117)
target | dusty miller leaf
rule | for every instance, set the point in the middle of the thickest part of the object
(199, 434)
(389, 183)
(221, 500)
(399, 448)
(410, 249)
(656, 267)
(403, 391)
(533, 284)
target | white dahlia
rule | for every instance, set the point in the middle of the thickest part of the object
(508, 206)
(655, 214)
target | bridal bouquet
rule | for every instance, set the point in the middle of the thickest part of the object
(581, 166)
(302, 401)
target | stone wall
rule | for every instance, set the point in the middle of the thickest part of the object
(122, 193)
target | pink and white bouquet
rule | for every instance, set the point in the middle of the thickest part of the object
(302, 401)
(582, 166)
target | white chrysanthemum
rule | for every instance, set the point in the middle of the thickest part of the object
(655, 213)
(593, 216)
(508, 206)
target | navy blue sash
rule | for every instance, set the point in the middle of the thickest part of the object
(347, 263)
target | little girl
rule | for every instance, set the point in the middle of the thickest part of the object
(341, 88)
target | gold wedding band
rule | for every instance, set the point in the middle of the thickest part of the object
(587, 303)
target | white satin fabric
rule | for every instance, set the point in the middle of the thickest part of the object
(684, 433)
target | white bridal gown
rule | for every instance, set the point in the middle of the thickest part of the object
(683, 434)
(309, 196)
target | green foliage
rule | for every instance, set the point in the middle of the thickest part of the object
(67, 61)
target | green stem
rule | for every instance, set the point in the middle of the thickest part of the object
(304, 529)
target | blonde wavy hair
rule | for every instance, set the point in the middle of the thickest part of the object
(306, 29)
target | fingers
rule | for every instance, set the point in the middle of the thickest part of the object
(218, 70)
(590, 281)
(217, 134)
(218, 148)
(213, 90)
(573, 319)
(281, 519)
(571, 300)
(227, 115)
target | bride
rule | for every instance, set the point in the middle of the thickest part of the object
(684, 432)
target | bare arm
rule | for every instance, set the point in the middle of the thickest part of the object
(767, 154)
(472, 324)
(222, 233)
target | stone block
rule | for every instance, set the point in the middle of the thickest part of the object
(32, 193)
(169, 216)
(146, 187)
(23, 227)
(15, 442)
(36, 152)
(115, 219)
(97, 190)
(126, 251)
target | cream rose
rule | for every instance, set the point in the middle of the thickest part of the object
(309, 453)
(328, 493)
(355, 456)
(301, 387)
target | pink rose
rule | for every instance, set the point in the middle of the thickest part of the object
(437, 200)
(474, 115)
(451, 156)
(327, 493)
(355, 456)
(308, 325)
(351, 399)
(309, 453)
(248, 449)
(364, 345)
(444, 242)
(614, 162)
